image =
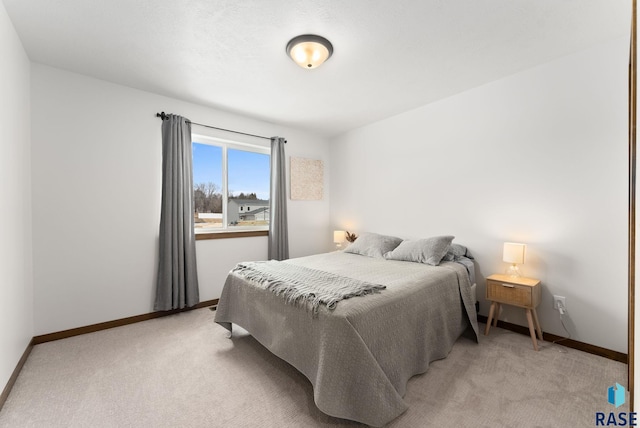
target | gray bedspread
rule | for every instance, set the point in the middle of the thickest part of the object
(360, 355)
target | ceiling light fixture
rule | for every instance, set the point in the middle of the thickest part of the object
(309, 50)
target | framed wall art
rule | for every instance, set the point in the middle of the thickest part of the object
(307, 179)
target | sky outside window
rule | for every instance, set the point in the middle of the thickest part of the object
(248, 173)
(207, 164)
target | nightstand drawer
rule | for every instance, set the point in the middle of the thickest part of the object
(514, 291)
(513, 294)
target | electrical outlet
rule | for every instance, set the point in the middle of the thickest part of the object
(557, 299)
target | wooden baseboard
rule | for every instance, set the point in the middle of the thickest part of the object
(569, 343)
(14, 375)
(115, 323)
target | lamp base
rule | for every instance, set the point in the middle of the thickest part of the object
(513, 271)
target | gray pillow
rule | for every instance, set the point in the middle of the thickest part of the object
(429, 251)
(456, 251)
(373, 245)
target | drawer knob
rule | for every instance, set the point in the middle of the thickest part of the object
(508, 285)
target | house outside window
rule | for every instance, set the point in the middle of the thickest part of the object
(239, 171)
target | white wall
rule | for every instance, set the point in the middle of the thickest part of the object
(96, 197)
(539, 157)
(16, 285)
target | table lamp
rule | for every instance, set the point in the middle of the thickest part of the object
(338, 238)
(513, 253)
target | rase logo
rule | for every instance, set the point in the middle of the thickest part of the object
(616, 396)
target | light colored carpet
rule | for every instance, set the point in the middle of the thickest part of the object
(181, 371)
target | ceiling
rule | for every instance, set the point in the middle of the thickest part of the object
(389, 56)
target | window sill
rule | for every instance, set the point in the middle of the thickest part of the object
(235, 234)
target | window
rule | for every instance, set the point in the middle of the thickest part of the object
(239, 171)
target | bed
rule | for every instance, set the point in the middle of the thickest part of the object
(360, 355)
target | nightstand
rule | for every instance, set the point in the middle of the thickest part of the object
(514, 291)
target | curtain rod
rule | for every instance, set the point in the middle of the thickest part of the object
(164, 116)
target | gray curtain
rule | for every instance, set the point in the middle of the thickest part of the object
(278, 230)
(177, 285)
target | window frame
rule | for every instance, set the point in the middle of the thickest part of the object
(225, 231)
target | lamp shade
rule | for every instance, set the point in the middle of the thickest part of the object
(513, 253)
(338, 236)
(309, 51)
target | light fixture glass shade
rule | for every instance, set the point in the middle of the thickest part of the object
(513, 253)
(309, 51)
